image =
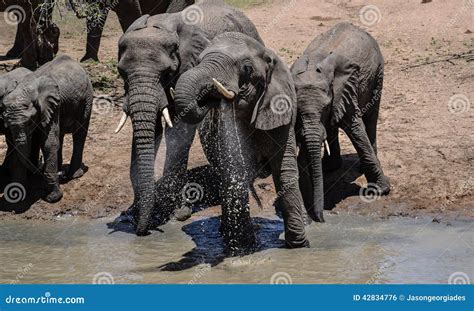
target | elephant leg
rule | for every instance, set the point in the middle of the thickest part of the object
(60, 152)
(334, 161)
(370, 164)
(18, 46)
(370, 121)
(50, 152)
(285, 176)
(94, 35)
(79, 141)
(29, 57)
(34, 155)
(178, 144)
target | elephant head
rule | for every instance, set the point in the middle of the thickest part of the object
(152, 53)
(8, 83)
(238, 70)
(324, 92)
(32, 104)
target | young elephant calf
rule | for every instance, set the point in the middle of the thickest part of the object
(8, 83)
(50, 102)
(338, 83)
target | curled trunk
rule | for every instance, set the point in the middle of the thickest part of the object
(189, 91)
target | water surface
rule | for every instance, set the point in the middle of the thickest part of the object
(346, 249)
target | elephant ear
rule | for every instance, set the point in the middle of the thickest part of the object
(300, 65)
(47, 99)
(192, 41)
(140, 23)
(277, 106)
(344, 75)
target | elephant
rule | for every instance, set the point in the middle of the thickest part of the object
(53, 101)
(127, 11)
(245, 94)
(8, 83)
(153, 53)
(339, 81)
(37, 37)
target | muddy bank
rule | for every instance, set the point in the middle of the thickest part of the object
(425, 135)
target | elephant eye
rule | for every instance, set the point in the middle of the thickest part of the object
(247, 70)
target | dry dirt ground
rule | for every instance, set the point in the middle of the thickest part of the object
(426, 127)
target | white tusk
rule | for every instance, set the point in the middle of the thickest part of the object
(166, 116)
(225, 92)
(173, 93)
(326, 145)
(122, 122)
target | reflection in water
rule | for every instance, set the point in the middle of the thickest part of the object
(346, 249)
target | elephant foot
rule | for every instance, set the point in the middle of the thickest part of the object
(240, 244)
(331, 163)
(319, 217)
(90, 58)
(378, 187)
(303, 244)
(54, 195)
(75, 175)
(383, 185)
(182, 214)
(14, 53)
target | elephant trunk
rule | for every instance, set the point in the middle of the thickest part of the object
(23, 149)
(143, 96)
(191, 88)
(314, 135)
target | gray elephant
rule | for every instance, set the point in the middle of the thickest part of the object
(246, 95)
(127, 11)
(153, 53)
(339, 82)
(8, 83)
(53, 101)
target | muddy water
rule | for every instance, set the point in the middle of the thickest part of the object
(346, 249)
